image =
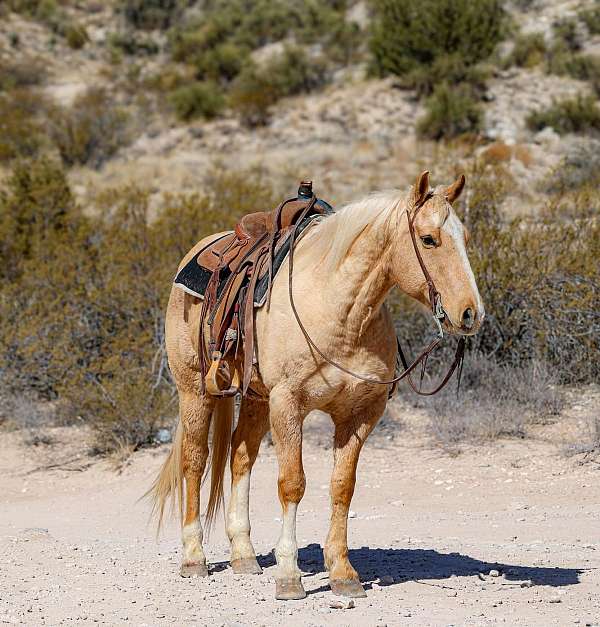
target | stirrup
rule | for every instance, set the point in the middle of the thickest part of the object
(212, 385)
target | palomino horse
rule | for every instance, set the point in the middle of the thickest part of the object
(344, 267)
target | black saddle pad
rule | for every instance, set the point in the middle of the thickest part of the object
(193, 278)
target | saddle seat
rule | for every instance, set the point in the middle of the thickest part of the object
(235, 263)
(255, 225)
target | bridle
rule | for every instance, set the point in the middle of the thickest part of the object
(437, 311)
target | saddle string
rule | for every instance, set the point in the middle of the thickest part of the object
(422, 357)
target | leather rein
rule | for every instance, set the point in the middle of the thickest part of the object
(436, 309)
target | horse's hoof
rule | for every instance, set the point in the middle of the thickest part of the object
(246, 566)
(194, 569)
(289, 589)
(347, 588)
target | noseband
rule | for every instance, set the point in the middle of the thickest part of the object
(437, 310)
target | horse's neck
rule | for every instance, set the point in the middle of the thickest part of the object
(360, 284)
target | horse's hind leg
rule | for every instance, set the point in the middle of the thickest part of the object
(195, 414)
(252, 425)
(350, 434)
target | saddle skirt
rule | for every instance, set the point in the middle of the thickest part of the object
(233, 276)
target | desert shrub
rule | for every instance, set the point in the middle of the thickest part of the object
(167, 79)
(567, 34)
(82, 310)
(407, 34)
(529, 50)
(21, 128)
(150, 14)
(494, 401)
(524, 5)
(257, 88)
(221, 63)
(579, 168)
(131, 43)
(39, 9)
(76, 35)
(53, 15)
(582, 67)
(252, 94)
(591, 18)
(198, 100)
(219, 45)
(91, 130)
(25, 72)
(446, 69)
(34, 205)
(293, 72)
(247, 25)
(575, 115)
(450, 112)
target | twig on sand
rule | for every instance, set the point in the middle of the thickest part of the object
(62, 465)
(435, 585)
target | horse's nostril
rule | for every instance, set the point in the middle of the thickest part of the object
(468, 319)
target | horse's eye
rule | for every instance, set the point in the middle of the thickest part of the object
(428, 241)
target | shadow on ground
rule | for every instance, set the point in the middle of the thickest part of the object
(423, 564)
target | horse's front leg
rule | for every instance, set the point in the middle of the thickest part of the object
(351, 431)
(252, 425)
(286, 428)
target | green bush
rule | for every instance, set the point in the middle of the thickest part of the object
(252, 95)
(292, 72)
(257, 88)
(447, 69)
(21, 127)
(151, 14)
(575, 115)
(529, 50)
(591, 18)
(566, 33)
(39, 9)
(91, 130)
(250, 24)
(82, 308)
(132, 43)
(583, 67)
(24, 72)
(450, 111)
(35, 205)
(76, 35)
(407, 34)
(221, 63)
(198, 100)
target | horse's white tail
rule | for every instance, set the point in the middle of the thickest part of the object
(169, 482)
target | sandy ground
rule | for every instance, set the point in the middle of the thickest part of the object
(427, 530)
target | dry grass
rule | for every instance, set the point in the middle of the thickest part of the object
(498, 153)
(494, 401)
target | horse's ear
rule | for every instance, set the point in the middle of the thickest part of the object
(454, 191)
(421, 187)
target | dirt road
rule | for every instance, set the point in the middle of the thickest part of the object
(426, 532)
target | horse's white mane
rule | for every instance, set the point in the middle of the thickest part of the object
(331, 240)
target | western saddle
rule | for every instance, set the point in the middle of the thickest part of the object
(236, 275)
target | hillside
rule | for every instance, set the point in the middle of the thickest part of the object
(351, 133)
